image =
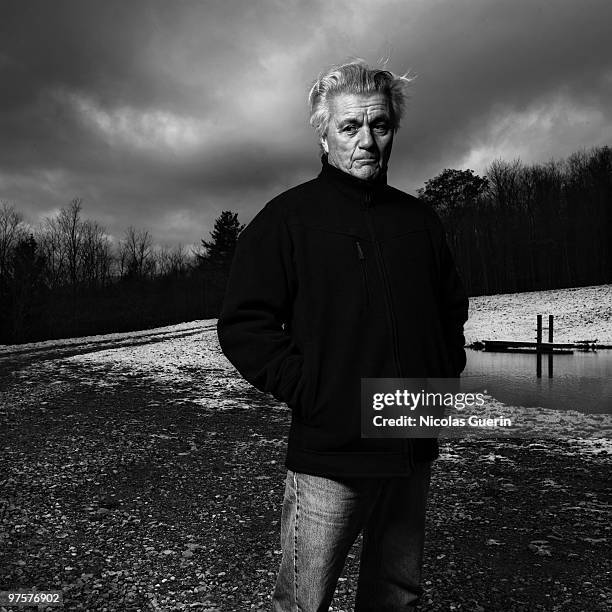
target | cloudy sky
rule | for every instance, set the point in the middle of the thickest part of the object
(161, 114)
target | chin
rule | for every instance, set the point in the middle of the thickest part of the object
(367, 173)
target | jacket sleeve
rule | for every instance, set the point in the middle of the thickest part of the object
(452, 297)
(257, 303)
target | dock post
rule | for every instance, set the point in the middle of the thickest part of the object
(550, 328)
(539, 348)
(550, 339)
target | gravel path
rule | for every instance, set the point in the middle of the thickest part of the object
(145, 476)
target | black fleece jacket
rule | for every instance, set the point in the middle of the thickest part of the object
(336, 280)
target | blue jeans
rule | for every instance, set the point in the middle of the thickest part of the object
(321, 519)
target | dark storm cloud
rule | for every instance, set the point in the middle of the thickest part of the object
(161, 114)
(491, 59)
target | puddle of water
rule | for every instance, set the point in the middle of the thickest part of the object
(581, 381)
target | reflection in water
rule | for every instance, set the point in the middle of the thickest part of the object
(582, 381)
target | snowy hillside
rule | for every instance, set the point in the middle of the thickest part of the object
(582, 313)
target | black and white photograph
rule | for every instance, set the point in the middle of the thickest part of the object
(306, 306)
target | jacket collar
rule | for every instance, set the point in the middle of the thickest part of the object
(351, 185)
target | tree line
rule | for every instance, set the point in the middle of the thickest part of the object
(529, 227)
(517, 228)
(67, 278)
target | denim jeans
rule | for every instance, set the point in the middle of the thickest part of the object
(321, 519)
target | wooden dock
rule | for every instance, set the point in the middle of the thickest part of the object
(514, 346)
(526, 346)
(538, 348)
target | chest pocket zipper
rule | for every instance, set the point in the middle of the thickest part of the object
(364, 274)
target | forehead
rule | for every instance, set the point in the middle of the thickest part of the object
(347, 105)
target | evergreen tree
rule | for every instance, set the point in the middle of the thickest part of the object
(218, 251)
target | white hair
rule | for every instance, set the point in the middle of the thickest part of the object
(356, 77)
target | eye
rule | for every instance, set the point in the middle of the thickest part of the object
(381, 128)
(351, 128)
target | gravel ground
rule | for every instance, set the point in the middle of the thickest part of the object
(139, 472)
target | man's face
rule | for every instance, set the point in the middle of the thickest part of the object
(360, 134)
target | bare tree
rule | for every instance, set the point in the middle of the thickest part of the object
(163, 261)
(179, 260)
(172, 261)
(96, 254)
(136, 253)
(71, 228)
(60, 239)
(50, 243)
(11, 231)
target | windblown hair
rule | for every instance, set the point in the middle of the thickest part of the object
(356, 77)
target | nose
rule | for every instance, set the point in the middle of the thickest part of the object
(365, 138)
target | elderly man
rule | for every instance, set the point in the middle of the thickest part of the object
(339, 279)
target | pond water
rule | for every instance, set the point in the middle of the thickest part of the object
(581, 381)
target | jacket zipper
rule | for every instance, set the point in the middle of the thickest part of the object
(407, 447)
(364, 273)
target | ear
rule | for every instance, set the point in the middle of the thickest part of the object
(324, 144)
